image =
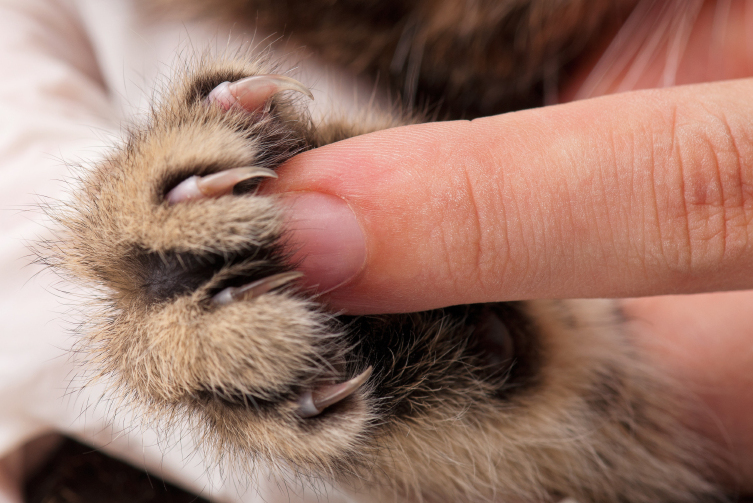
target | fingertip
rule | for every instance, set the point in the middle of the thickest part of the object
(325, 239)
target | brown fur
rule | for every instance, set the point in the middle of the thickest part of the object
(469, 58)
(446, 416)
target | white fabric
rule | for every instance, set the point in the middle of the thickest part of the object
(72, 70)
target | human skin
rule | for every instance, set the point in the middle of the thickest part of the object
(639, 194)
(634, 194)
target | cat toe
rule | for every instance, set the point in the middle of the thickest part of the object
(252, 93)
(214, 185)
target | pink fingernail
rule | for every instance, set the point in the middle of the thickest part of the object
(326, 239)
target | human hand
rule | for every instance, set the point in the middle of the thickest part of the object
(644, 193)
(638, 194)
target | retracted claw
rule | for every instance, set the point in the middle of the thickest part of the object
(312, 403)
(252, 290)
(253, 93)
(214, 185)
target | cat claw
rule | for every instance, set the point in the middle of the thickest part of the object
(313, 403)
(252, 290)
(254, 92)
(214, 185)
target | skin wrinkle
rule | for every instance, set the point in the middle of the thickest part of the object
(676, 148)
(602, 176)
(747, 215)
(507, 177)
(567, 199)
(477, 227)
(529, 227)
(654, 191)
(496, 239)
(622, 216)
(718, 143)
(443, 238)
(500, 224)
(482, 265)
(442, 231)
(600, 194)
(737, 195)
(450, 235)
(707, 198)
(572, 213)
(491, 189)
(524, 264)
(723, 232)
(651, 213)
(619, 217)
(539, 203)
(581, 218)
(710, 196)
(739, 172)
(626, 191)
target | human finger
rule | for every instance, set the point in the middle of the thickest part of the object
(649, 192)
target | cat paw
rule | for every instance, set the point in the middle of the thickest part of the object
(200, 313)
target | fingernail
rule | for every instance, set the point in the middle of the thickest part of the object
(326, 240)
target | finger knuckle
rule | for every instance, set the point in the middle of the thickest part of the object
(715, 193)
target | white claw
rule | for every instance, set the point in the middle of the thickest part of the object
(312, 403)
(214, 185)
(254, 92)
(252, 290)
